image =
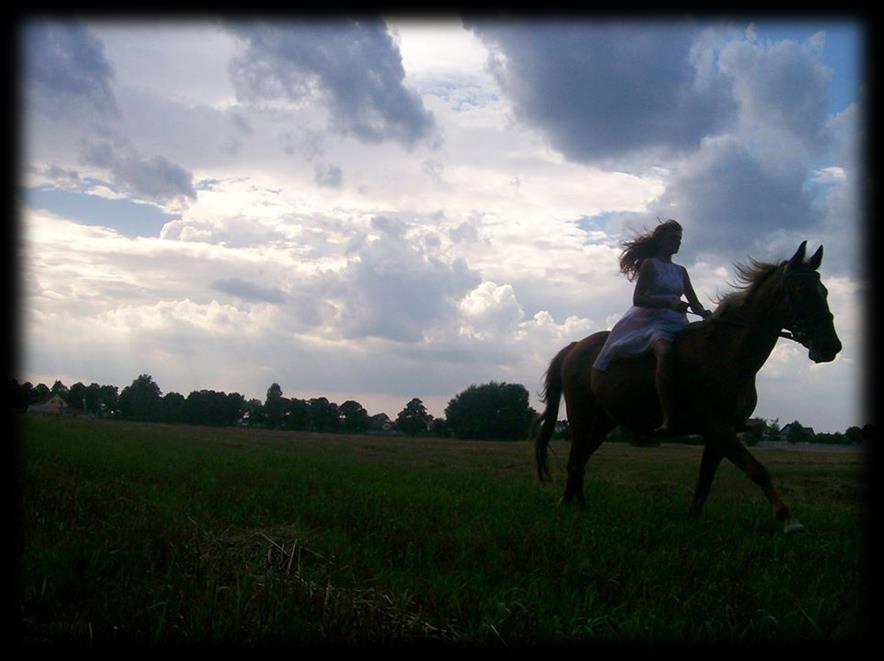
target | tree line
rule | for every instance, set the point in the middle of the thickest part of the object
(491, 411)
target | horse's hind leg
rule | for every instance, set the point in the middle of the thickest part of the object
(586, 437)
(737, 453)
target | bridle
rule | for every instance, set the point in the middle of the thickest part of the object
(800, 323)
(796, 328)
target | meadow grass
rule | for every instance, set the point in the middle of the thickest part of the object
(154, 534)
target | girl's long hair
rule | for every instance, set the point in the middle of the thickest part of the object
(643, 246)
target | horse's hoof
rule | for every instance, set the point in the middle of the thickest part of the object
(793, 526)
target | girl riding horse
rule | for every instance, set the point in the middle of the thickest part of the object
(658, 311)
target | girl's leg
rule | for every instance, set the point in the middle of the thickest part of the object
(665, 383)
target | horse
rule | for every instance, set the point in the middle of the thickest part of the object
(716, 361)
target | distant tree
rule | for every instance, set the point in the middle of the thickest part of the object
(254, 414)
(490, 411)
(141, 400)
(76, 397)
(830, 439)
(172, 406)
(297, 414)
(108, 400)
(440, 427)
(354, 417)
(58, 388)
(756, 430)
(234, 408)
(414, 418)
(774, 432)
(274, 407)
(323, 415)
(854, 435)
(195, 409)
(40, 393)
(93, 398)
(217, 409)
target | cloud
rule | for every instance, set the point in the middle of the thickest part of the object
(328, 176)
(602, 90)
(396, 288)
(465, 231)
(491, 310)
(735, 128)
(241, 123)
(248, 291)
(355, 67)
(65, 67)
(730, 203)
(781, 86)
(156, 178)
(234, 232)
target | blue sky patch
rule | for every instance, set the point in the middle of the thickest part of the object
(129, 218)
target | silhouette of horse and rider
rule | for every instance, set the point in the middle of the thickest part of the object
(656, 373)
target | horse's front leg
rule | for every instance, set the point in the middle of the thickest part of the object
(708, 465)
(737, 453)
(586, 437)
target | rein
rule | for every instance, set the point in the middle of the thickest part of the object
(783, 333)
(796, 333)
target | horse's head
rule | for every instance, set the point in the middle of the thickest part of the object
(808, 315)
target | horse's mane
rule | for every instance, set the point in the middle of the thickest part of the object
(750, 278)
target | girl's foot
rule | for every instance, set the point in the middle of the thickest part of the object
(664, 429)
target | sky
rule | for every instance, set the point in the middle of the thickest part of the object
(393, 208)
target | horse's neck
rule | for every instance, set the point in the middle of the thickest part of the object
(757, 326)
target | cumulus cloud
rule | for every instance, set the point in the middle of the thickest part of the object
(354, 66)
(234, 231)
(65, 68)
(491, 310)
(601, 90)
(396, 288)
(730, 203)
(782, 86)
(757, 166)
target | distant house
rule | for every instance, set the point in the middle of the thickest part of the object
(795, 432)
(381, 424)
(54, 406)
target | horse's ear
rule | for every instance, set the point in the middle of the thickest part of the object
(798, 257)
(817, 259)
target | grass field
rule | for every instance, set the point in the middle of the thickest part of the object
(153, 534)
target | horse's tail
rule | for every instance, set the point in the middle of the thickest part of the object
(546, 421)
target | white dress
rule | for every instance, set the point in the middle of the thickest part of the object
(638, 329)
